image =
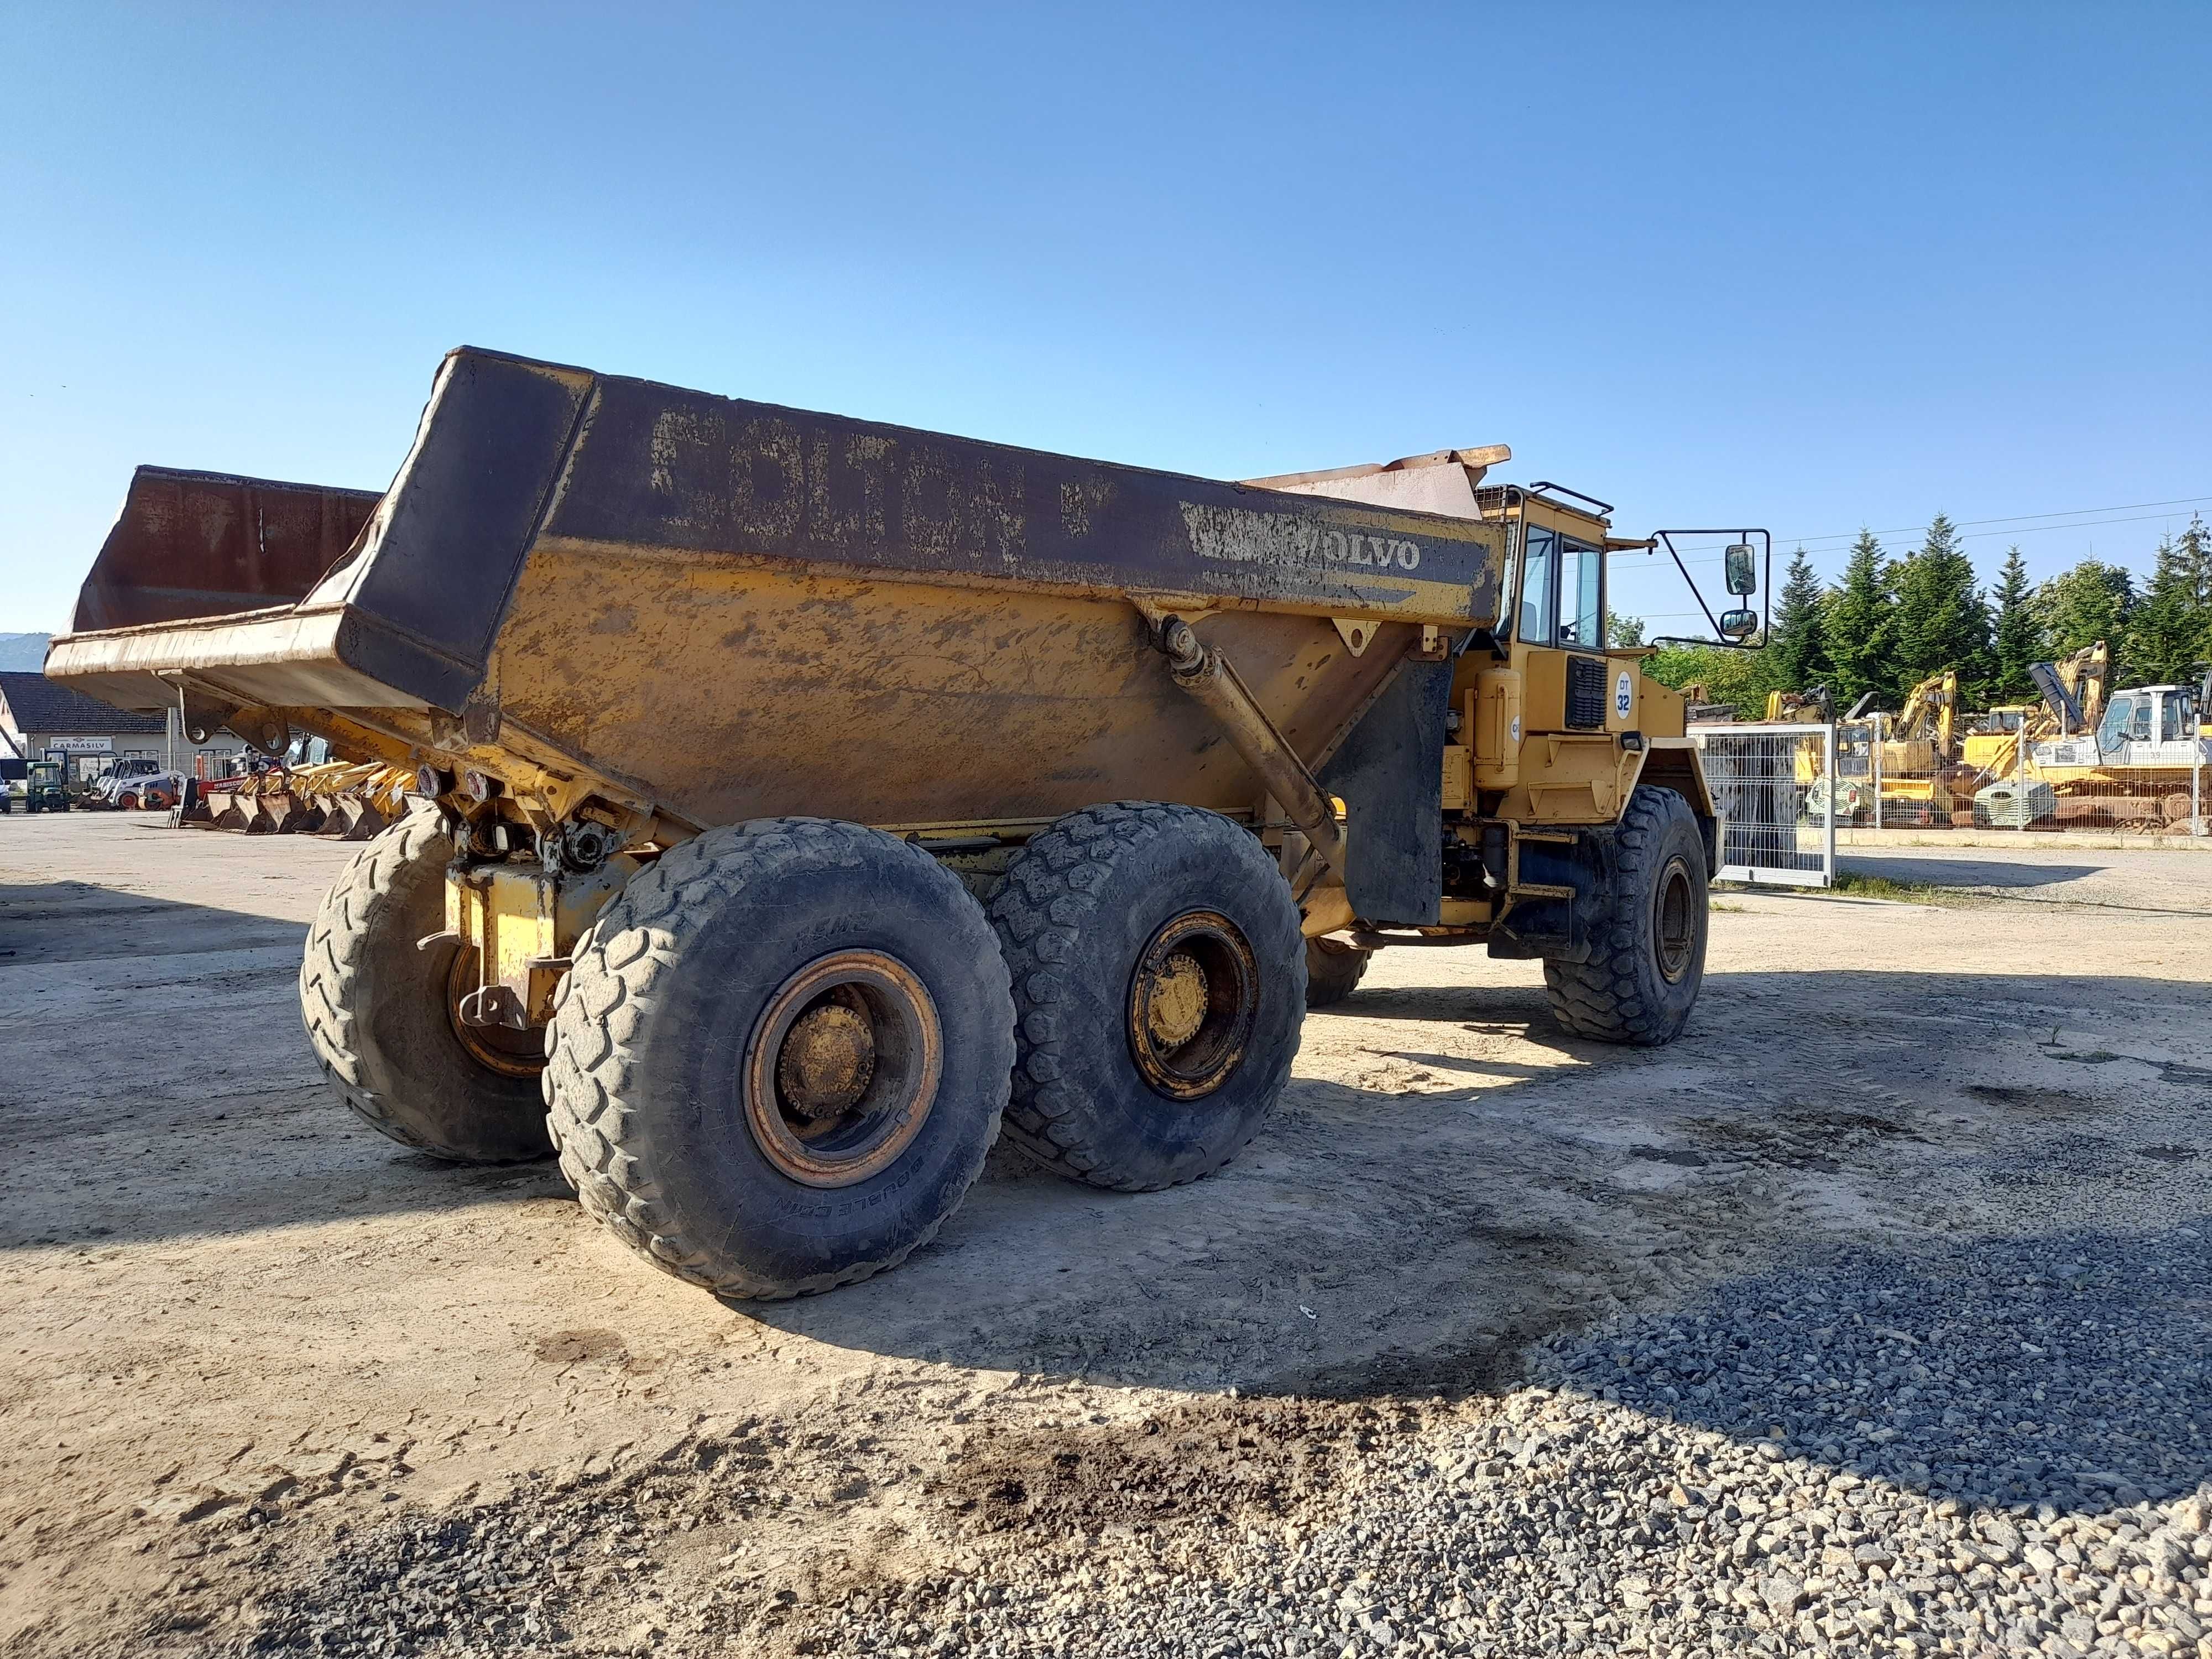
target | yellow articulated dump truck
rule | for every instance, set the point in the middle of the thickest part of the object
(800, 798)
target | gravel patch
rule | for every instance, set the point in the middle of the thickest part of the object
(2000, 1447)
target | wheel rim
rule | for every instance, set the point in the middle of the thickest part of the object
(1674, 920)
(129, 803)
(501, 1049)
(1193, 1000)
(842, 1069)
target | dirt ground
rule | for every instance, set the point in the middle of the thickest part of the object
(243, 1332)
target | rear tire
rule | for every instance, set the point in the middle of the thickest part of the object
(1333, 971)
(379, 1012)
(741, 1079)
(1649, 959)
(1098, 916)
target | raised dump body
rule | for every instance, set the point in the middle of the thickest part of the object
(725, 716)
(724, 610)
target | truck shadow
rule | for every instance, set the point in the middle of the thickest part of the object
(1415, 1222)
(154, 1079)
(1959, 871)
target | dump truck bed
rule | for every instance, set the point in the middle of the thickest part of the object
(724, 610)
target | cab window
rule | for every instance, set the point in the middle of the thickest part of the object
(1581, 579)
(2126, 719)
(2175, 720)
(1562, 591)
(1539, 560)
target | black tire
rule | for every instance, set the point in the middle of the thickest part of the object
(1643, 978)
(1333, 971)
(379, 1012)
(1081, 905)
(650, 1087)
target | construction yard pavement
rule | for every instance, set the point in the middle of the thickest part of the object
(1870, 1317)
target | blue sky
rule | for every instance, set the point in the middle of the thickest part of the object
(1808, 267)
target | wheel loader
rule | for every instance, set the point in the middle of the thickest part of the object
(803, 802)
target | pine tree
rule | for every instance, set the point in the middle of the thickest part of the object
(1942, 622)
(2019, 640)
(1858, 626)
(2196, 548)
(2078, 607)
(2167, 632)
(1797, 652)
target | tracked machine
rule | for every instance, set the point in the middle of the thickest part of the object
(800, 799)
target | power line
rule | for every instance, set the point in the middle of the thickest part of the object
(1801, 542)
(2067, 512)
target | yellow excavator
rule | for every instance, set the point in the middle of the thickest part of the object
(2073, 689)
(1922, 777)
(1809, 708)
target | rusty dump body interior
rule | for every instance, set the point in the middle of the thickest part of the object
(703, 610)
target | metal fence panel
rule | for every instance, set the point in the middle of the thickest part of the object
(1778, 791)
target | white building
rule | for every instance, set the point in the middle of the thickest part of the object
(40, 719)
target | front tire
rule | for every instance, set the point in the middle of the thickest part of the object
(1649, 960)
(780, 1060)
(379, 1013)
(1159, 975)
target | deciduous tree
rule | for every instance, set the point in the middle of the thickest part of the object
(2078, 607)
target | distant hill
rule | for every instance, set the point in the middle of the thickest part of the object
(21, 651)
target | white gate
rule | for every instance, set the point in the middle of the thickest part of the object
(1776, 787)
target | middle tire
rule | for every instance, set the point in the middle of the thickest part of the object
(1159, 978)
(1333, 971)
(780, 1059)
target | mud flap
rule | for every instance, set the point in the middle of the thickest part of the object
(1562, 929)
(1389, 774)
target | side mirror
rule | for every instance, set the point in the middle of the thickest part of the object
(1738, 625)
(1742, 573)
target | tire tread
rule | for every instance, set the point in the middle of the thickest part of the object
(1599, 999)
(1038, 912)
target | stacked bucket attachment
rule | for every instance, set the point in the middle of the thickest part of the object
(339, 799)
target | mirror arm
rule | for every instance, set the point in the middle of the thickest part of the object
(1666, 538)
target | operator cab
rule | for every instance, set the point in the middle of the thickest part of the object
(2147, 715)
(1556, 597)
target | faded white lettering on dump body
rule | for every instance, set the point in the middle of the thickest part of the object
(1242, 535)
